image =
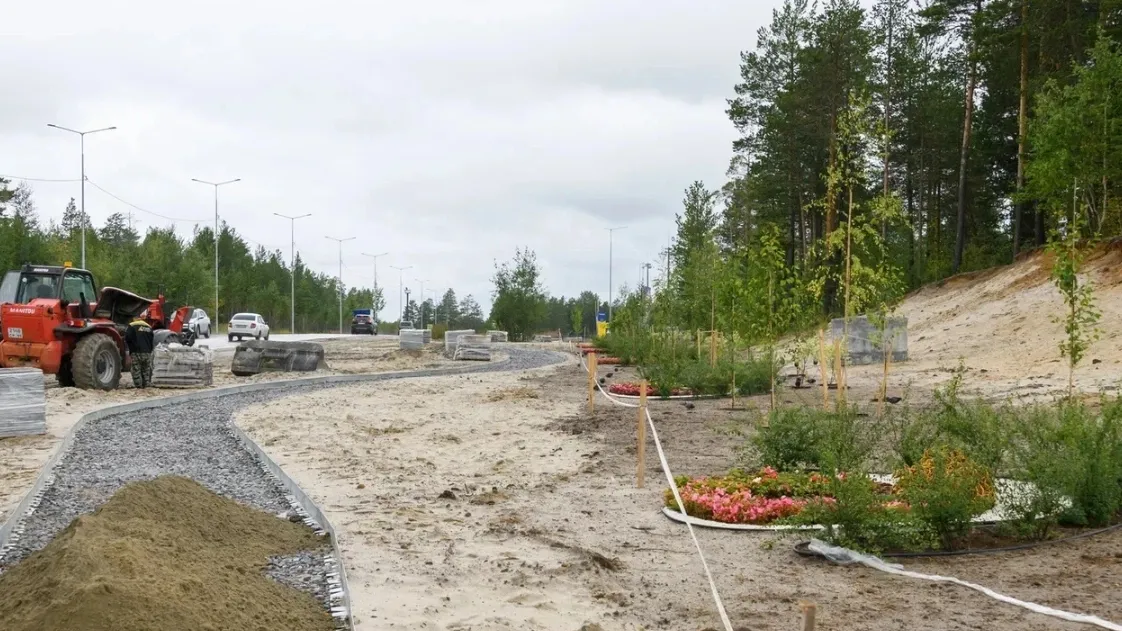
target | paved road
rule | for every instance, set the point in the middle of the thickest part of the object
(218, 342)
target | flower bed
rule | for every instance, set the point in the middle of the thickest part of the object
(763, 497)
(758, 498)
(629, 389)
(768, 497)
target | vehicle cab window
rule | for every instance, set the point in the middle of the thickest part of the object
(32, 286)
(75, 285)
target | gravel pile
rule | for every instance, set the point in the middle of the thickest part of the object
(193, 440)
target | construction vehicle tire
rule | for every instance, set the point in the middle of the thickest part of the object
(96, 363)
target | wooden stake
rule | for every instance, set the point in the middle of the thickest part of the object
(884, 381)
(734, 385)
(699, 344)
(712, 349)
(642, 427)
(591, 382)
(822, 369)
(809, 611)
(838, 372)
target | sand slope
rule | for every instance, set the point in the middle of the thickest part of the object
(999, 323)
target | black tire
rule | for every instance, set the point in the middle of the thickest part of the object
(207, 334)
(266, 337)
(230, 338)
(96, 363)
(65, 376)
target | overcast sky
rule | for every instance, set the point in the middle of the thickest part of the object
(447, 133)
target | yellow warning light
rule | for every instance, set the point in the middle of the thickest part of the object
(68, 264)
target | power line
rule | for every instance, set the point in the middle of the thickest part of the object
(143, 210)
(35, 179)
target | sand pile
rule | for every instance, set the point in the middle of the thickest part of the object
(164, 554)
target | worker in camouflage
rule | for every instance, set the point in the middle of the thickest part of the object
(140, 341)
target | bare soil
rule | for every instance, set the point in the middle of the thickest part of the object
(163, 554)
(22, 457)
(497, 502)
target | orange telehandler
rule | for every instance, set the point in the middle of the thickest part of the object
(48, 321)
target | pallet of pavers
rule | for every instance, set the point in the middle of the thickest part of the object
(23, 402)
(498, 336)
(411, 339)
(452, 340)
(474, 348)
(177, 366)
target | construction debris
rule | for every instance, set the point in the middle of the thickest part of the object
(258, 356)
(23, 403)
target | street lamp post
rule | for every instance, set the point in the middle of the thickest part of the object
(375, 297)
(611, 233)
(422, 300)
(216, 185)
(82, 135)
(292, 262)
(400, 285)
(340, 242)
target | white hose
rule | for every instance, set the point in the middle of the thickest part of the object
(845, 556)
(677, 498)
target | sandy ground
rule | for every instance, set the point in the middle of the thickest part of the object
(999, 323)
(22, 457)
(496, 502)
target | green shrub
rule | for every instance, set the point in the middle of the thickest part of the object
(790, 440)
(800, 438)
(980, 430)
(1092, 446)
(845, 440)
(858, 518)
(1072, 457)
(946, 491)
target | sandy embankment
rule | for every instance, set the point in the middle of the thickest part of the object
(1000, 323)
(21, 458)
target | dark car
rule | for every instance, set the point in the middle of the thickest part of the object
(362, 323)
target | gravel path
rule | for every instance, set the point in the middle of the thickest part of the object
(193, 440)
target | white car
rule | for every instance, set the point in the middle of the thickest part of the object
(199, 323)
(244, 325)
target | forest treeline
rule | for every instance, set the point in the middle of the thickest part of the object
(250, 279)
(887, 148)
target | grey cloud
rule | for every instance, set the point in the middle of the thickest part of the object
(448, 133)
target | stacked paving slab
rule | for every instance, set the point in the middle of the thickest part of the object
(413, 339)
(866, 342)
(23, 402)
(178, 366)
(452, 340)
(473, 348)
(498, 336)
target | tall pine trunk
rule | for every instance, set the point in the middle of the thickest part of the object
(1022, 127)
(964, 153)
